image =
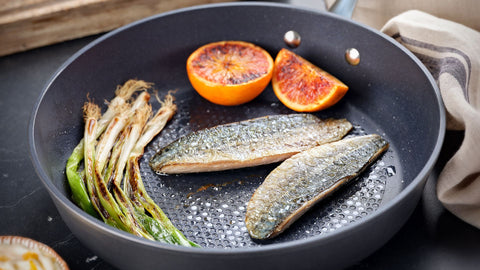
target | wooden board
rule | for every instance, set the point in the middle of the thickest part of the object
(27, 24)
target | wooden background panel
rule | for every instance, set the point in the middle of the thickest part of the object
(27, 24)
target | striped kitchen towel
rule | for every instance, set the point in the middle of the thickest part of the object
(451, 52)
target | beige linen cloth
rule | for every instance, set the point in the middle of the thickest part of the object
(451, 51)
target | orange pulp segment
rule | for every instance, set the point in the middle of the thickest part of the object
(302, 86)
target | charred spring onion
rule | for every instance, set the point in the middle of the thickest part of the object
(75, 178)
(110, 186)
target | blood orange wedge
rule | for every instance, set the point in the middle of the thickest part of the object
(229, 72)
(302, 86)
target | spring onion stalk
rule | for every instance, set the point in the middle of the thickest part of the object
(91, 114)
(114, 156)
(129, 137)
(75, 178)
(103, 150)
(133, 181)
(140, 102)
(128, 140)
(109, 137)
(76, 181)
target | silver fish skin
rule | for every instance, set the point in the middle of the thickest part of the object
(306, 178)
(247, 143)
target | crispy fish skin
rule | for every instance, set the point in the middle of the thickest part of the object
(247, 143)
(306, 178)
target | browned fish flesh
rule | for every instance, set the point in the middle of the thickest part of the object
(253, 142)
(305, 179)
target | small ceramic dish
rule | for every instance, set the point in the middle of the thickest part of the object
(18, 252)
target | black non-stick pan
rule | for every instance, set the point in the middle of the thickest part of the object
(391, 94)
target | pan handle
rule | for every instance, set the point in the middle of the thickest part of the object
(343, 7)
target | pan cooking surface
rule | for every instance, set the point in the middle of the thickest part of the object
(210, 207)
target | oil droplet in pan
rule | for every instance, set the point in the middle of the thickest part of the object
(390, 170)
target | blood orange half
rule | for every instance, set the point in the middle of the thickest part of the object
(229, 72)
(302, 86)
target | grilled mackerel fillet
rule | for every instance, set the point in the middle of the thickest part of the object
(306, 178)
(247, 143)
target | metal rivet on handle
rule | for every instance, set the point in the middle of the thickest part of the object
(292, 39)
(352, 56)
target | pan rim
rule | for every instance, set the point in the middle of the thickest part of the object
(274, 247)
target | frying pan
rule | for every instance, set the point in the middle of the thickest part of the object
(391, 94)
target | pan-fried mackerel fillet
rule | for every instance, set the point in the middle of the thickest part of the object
(306, 178)
(247, 143)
